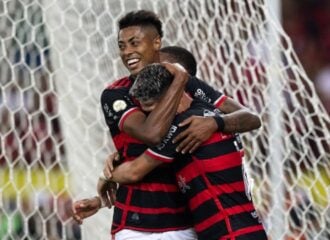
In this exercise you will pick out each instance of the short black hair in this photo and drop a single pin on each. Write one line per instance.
(141, 18)
(151, 82)
(183, 57)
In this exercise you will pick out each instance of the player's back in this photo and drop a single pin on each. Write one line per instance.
(212, 181)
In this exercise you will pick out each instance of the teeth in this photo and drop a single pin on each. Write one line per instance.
(132, 61)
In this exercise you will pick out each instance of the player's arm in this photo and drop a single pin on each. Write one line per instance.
(133, 171)
(153, 128)
(236, 119)
(85, 208)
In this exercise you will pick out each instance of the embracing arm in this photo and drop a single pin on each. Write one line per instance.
(238, 118)
(133, 171)
(153, 128)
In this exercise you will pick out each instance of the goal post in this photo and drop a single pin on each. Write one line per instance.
(56, 57)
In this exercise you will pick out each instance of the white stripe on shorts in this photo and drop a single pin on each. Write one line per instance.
(127, 234)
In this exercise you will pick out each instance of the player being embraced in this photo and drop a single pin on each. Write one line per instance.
(211, 178)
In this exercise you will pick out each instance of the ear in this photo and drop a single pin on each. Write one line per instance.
(157, 43)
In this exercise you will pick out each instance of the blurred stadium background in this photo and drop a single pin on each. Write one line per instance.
(57, 56)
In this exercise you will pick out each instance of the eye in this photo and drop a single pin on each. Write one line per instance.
(135, 43)
(121, 46)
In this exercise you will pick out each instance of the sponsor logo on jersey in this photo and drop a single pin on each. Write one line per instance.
(168, 137)
(201, 95)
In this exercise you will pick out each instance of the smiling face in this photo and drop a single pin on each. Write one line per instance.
(138, 46)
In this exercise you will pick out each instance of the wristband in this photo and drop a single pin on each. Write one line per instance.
(220, 122)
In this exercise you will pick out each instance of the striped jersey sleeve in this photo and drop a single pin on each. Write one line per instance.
(165, 151)
(199, 89)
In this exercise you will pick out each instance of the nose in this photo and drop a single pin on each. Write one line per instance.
(127, 50)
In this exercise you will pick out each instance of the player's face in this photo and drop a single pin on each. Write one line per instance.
(138, 47)
(148, 105)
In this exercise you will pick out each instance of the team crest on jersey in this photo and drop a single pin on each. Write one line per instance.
(182, 184)
(119, 105)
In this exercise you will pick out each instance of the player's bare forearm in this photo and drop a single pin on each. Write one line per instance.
(241, 121)
(238, 118)
(134, 171)
(153, 128)
(124, 174)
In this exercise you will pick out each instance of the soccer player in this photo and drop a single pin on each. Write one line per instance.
(85, 208)
(211, 178)
(155, 204)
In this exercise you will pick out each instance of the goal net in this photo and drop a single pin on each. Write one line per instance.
(56, 56)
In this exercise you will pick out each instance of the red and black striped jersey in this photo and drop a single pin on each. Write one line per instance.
(212, 181)
(155, 204)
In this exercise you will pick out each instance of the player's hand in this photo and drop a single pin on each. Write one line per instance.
(199, 130)
(85, 208)
(107, 192)
(177, 71)
(112, 160)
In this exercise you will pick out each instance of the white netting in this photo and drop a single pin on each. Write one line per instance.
(57, 56)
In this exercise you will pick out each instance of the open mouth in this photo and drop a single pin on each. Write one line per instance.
(133, 62)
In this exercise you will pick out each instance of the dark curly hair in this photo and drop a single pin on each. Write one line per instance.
(181, 56)
(151, 82)
(141, 18)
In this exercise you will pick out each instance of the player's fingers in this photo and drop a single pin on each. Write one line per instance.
(195, 146)
(112, 197)
(104, 199)
(75, 206)
(107, 173)
(109, 161)
(185, 122)
(116, 156)
(181, 136)
(188, 146)
(85, 204)
(183, 144)
(168, 66)
(77, 218)
(113, 193)
(79, 206)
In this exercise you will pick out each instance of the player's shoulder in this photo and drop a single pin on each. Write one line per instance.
(192, 80)
(117, 88)
(124, 82)
(195, 85)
